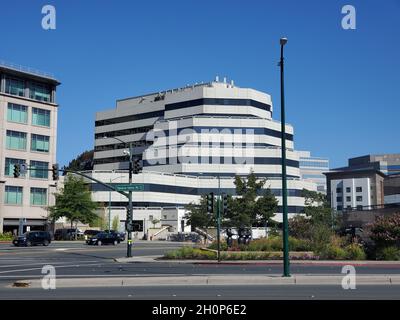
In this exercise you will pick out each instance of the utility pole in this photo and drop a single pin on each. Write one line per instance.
(286, 263)
(130, 206)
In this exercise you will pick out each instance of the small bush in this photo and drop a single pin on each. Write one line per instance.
(190, 253)
(355, 252)
(390, 253)
(333, 252)
(7, 236)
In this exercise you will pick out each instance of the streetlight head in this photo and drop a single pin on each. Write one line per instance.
(126, 152)
(105, 137)
(283, 41)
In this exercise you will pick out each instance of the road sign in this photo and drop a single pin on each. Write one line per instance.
(130, 187)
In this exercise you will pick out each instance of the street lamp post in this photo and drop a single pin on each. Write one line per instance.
(286, 263)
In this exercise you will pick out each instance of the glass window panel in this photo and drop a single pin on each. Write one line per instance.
(39, 169)
(38, 196)
(15, 87)
(17, 113)
(40, 92)
(16, 140)
(40, 117)
(39, 143)
(9, 166)
(13, 195)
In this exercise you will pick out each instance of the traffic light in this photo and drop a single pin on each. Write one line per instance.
(54, 170)
(224, 203)
(210, 202)
(17, 170)
(136, 166)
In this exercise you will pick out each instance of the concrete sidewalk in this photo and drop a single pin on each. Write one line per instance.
(158, 259)
(216, 280)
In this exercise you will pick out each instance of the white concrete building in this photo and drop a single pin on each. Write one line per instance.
(191, 138)
(312, 169)
(28, 127)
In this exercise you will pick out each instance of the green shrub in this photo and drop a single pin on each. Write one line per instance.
(7, 236)
(190, 253)
(355, 252)
(333, 252)
(390, 253)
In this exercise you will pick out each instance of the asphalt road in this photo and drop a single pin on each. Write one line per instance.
(73, 260)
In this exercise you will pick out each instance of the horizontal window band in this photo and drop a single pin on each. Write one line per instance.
(220, 160)
(217, 101)
(133, 117)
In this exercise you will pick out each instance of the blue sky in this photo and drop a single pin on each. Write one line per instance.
(342, 86)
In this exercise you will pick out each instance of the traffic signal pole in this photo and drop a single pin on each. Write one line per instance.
(219, 227)
(130, 206)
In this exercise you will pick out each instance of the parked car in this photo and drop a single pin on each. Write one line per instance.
(67, 234)
(33, 238)
(104, 238)
(121, 235)
(90, 233)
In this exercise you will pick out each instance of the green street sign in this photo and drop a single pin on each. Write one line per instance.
(130, 187)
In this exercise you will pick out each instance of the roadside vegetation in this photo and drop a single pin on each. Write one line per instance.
(316, 234)
(7, 236)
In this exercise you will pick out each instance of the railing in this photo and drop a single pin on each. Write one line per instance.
(20, 68)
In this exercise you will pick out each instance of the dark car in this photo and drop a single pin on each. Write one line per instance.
(104, 238)
(33, 238)
(90, 233)
(67, 234)
(121, 235)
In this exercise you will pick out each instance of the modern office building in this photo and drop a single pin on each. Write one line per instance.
(386, 163)
(367, 182)
(392, 189)
(313, 168)
(192, 138)
(28, 126)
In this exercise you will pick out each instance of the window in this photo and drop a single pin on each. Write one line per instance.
(339, 208)
(39, 169)
(16, 140)
(17, 113)
(9, 167)
(348, 189)
(40, 117)
(40, 143)
(15, 87)
(349, 208)
(359, 198)
(359, 208)
(38, 196)
(339, 199)
(348, 198)
(39, 92)
(338, 190)
(358, 189)
(13, 195)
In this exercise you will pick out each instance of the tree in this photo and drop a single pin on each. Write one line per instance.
(253, 206)
(197, 215)
(154, 222)
(74, 202)
(317, 208)
(385, 231)
(84, 161)
(115, 223)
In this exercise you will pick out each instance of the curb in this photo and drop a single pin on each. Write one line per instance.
(210, 280)
(157, 259)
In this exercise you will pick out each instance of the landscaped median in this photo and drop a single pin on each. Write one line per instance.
(270, 249)
(190, 253)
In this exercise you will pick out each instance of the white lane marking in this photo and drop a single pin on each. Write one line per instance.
(42, 263)
(67, 266)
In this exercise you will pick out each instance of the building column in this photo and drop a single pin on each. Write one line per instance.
(3, 83)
